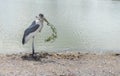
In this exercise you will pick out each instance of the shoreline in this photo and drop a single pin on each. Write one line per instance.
(59, 64)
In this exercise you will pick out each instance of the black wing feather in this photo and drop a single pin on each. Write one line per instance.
(33, 27)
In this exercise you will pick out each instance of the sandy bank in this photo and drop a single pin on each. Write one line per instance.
(59, 64)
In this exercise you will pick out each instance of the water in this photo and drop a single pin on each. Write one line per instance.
(82, 25)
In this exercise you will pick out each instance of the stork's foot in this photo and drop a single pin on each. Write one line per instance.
(36, 57)
(32, 57)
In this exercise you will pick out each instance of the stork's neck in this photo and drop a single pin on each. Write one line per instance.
(39, 21)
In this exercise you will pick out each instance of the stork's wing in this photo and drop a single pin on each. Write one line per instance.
(33, 24)
(33, 27)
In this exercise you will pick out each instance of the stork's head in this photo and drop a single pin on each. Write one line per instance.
(40, 19)
(41, 16)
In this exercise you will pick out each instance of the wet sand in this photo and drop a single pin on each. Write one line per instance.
(60, 64)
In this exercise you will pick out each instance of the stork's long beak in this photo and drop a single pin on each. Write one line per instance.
(46, 21)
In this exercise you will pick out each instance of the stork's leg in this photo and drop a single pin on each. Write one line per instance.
(33, 50)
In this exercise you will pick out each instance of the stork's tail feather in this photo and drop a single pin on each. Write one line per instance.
(23, 40)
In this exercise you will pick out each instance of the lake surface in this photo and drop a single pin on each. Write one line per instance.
(82, 25)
